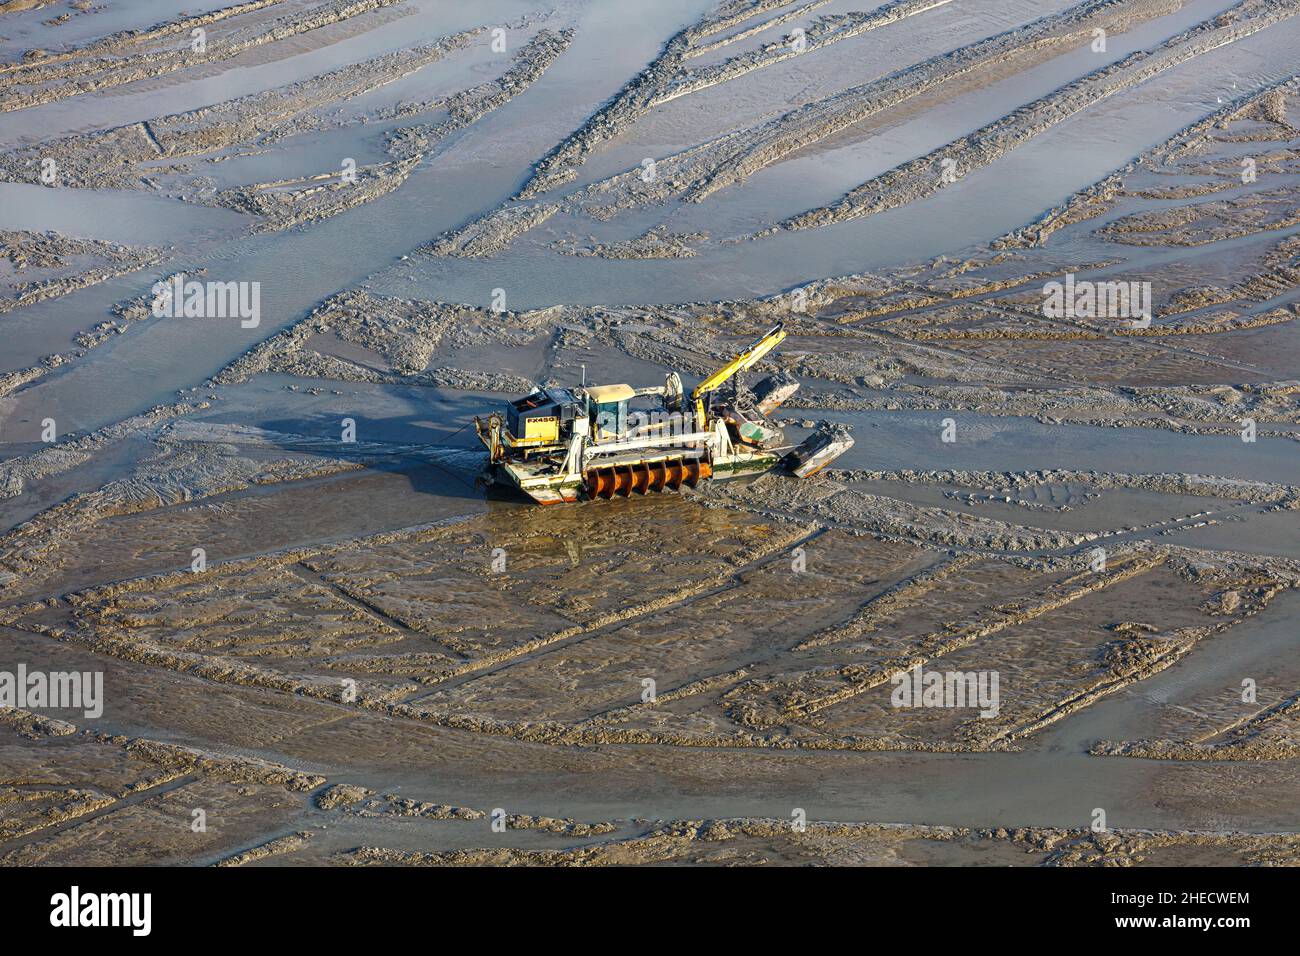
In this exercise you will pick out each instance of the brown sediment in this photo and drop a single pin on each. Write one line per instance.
(816, 121)
(341, 795)
(762, 26)
(654, 244)
(1097, 199)
(129, 56)
(285, 844)
(125, 157)
(288, 203)
(118, 620)
(920, 178)
(853, 679)
(697, 173)
(15, 472)
(469, 106)
(756, 841)
(392, 805)
(53, 257)
(897, 597)
(133, 310)
(666, 78)
(380, 671)
(1273, 734)
(34, 725)
(1208, 222)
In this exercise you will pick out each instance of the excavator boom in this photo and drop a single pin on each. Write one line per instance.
(746, 359)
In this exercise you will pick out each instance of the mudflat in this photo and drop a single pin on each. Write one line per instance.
(261, 264)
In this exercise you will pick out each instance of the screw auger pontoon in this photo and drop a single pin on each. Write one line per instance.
(561, 444)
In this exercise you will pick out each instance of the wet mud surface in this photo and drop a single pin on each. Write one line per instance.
(315, 631)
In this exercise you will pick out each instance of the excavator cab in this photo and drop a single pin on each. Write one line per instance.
(608, 404)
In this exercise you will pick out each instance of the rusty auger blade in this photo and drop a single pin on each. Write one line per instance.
(642, 477)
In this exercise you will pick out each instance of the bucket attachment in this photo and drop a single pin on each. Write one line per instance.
(643, 476)
(774, 391)
(820, 449)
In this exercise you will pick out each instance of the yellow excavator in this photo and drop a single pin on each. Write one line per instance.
(746, 359)
(562, 444)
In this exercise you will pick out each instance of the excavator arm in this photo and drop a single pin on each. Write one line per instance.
(746, 359)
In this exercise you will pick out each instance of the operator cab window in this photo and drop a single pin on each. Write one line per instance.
(609, 410)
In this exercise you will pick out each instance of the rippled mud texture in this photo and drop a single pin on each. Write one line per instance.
(320, 637)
